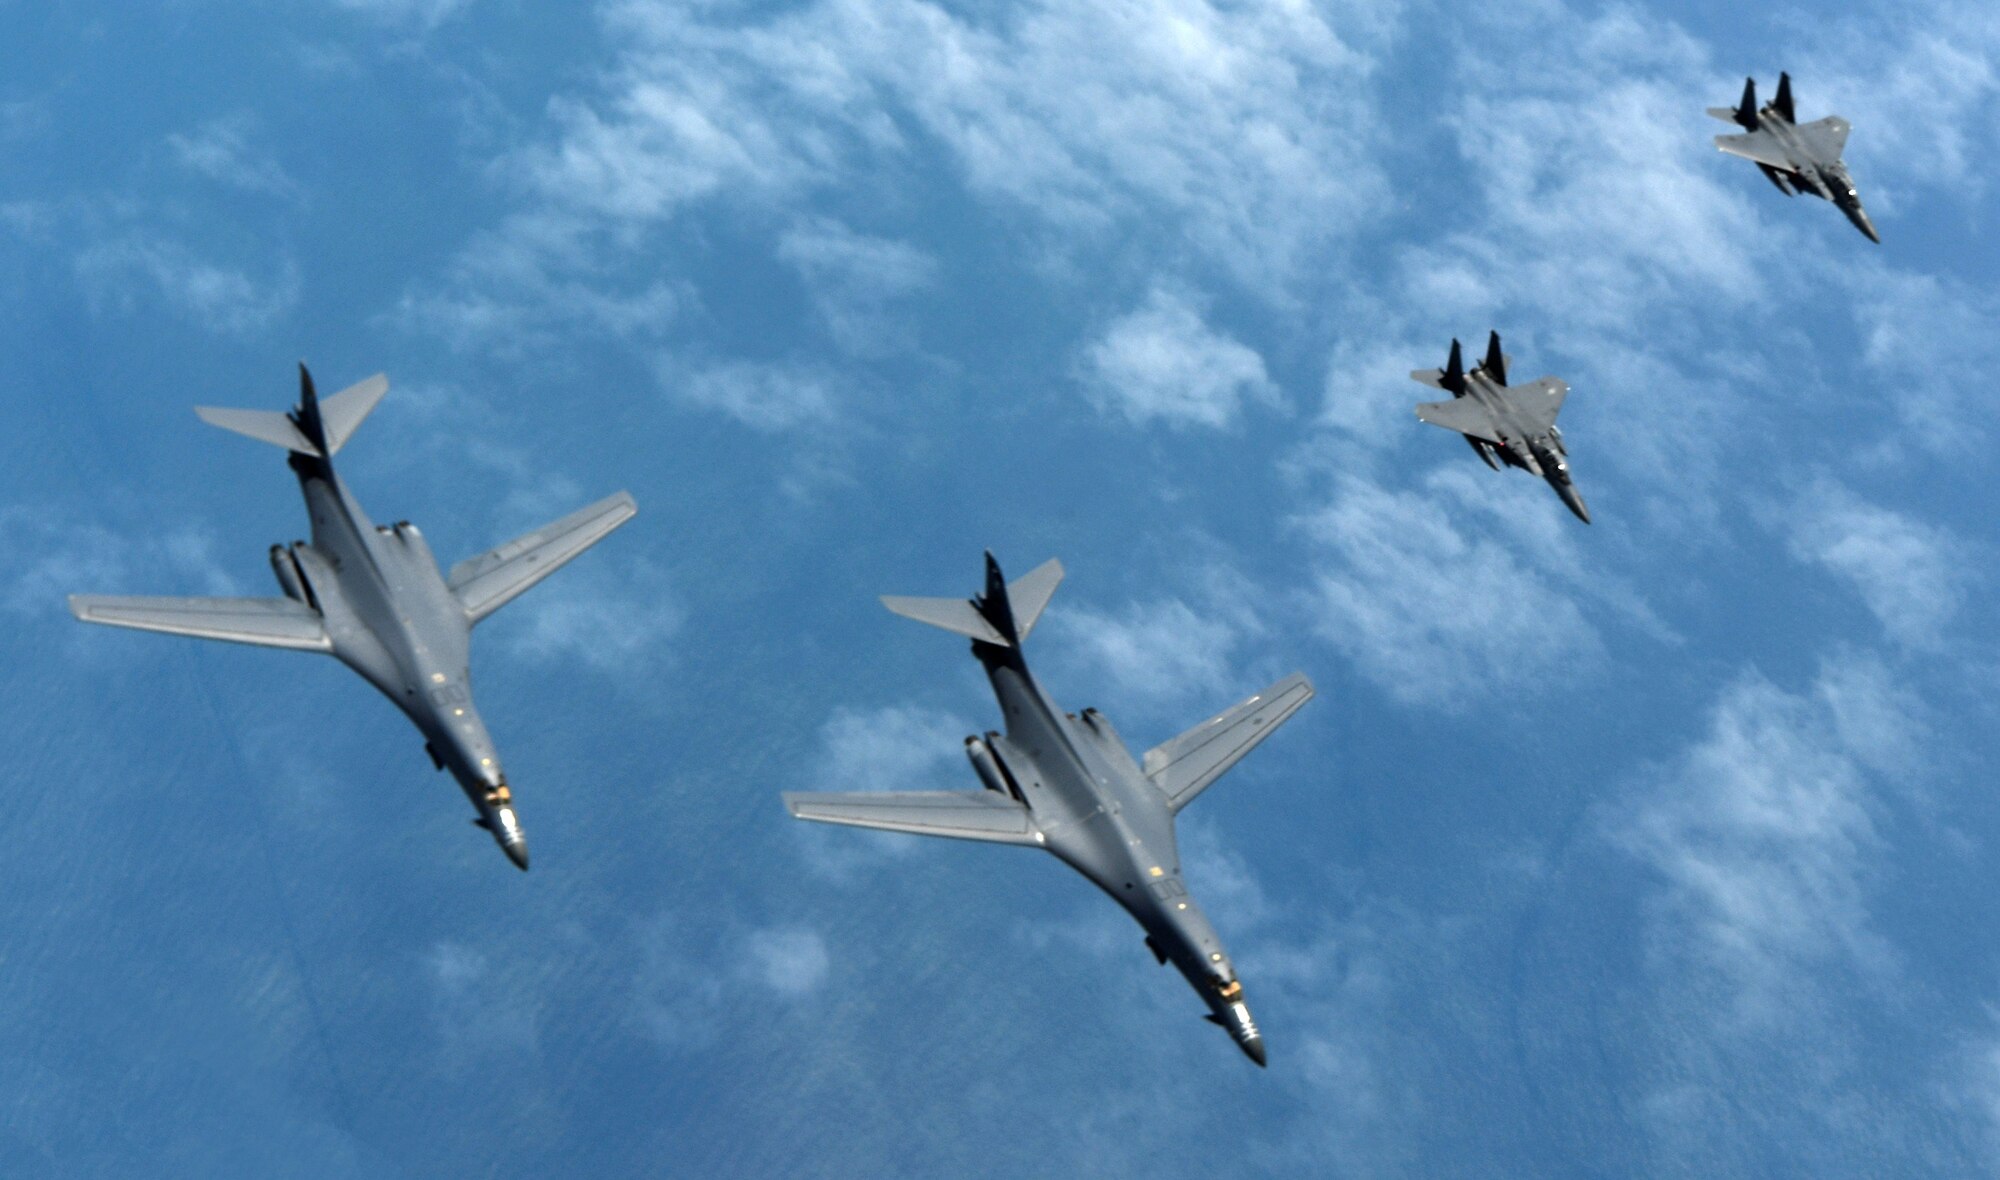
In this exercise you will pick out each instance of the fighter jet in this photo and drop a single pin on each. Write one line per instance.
(1065, 783)
(1798, 158)
(371, 596)
(1517, 423)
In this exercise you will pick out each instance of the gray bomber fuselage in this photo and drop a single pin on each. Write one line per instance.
(391, 617)
(1098, 813)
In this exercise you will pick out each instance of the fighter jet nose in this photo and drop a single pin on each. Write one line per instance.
(1575, 501)
(1255, 1048)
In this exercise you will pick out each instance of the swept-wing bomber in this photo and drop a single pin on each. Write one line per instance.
(1515, 423)
(1066, 783)
(371, 595)
(1797, 157)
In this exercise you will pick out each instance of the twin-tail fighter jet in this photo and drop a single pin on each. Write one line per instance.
(1517, 423)
(1065, 783)
(371, 595)
(1798, 158)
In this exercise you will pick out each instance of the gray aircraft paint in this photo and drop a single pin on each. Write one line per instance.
(1797, 157)
(1515, 423)
(371, 596)
(1067, 784)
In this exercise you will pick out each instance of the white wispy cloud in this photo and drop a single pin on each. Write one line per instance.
(764, 396)
(424, 14)
(788, 961)
(50, 555)
(220, 150)
(613, 615)
(478, 1011)
(1434, 610)
(1162, 362)
(1245, 130)
(1913, 576)
(214, 296)
(856, 281)
(1765, 839)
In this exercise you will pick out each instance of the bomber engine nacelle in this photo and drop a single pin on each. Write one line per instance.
(413, 538)
(291, 578)
(987, 765)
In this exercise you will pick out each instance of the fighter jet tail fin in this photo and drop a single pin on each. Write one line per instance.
(1002, 616)
(315, 428)
(1783, 102)
(1453, 378)
(1185, 766)
(961, 815)
(1495, 364)
(1744, 114)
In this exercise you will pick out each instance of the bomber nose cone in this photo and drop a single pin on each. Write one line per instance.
(518, 853)
(1255, 1048)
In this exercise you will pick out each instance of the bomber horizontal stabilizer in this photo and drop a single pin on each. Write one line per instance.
(961, 815)
(490, 581)
(957, 615)
(264, 622)
(1183, 767)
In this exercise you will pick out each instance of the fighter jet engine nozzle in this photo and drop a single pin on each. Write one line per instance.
(291, 578)
(987, 765)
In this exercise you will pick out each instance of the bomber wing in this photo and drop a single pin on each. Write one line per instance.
(1462, 414)
(963, 815)
(1183, 767)
(1760, 146)
(490, 581)
(264, 622)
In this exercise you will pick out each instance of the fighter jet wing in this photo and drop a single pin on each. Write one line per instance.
(265, 622)
(1537, 402)
(1461, 414)
(1759, 146)
(962, 815)
(490, 581)
(1828, 137)
(1183, 767)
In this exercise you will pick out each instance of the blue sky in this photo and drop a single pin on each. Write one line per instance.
(1661, 847)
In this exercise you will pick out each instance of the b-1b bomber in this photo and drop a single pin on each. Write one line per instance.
(1516, 423)
(1065, 783)
(371, 595)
